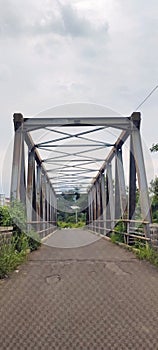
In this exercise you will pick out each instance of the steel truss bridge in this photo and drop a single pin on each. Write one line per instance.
(61, 153)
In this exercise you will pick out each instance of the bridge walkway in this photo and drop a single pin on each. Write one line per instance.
(86, 297)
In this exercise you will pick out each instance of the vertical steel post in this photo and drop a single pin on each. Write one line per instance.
(103, 205)
(122, 186)
(108, 217)
(141, 173)
(98, 208)
(49, 206)
(38, 196)
(95, 206)
(43, 201)
(55, 207)
(51, 211)
(22, 178)
(17, 158)
(91, 209)
(34, 211)
(117, 191)
(29, 197)
(132, 188)
(111, 195)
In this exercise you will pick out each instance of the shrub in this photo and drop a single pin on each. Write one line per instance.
(117, 237)
(15, 252)
(117, 234)
(5, 217)
(146, 252)
(71, 224)
(10, 257)
(34, 240)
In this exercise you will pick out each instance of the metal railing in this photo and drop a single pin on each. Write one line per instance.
(132, 231)
(43, 228)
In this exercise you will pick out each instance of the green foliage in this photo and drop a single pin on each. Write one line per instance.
(120, 227)
(18, 216)
(20, 242)
(67, 220)
(14, 252)
(146, 252)
(62, 224)
(34, 241)
(117, 237)
(154, 198)
(10, 257)
(13, 215)
(5, 217)
(71, 195)
(117, 234)
(154, 148)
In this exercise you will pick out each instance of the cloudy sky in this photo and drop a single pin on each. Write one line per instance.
(55, 52)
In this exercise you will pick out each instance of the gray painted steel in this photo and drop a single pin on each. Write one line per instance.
(105, 205)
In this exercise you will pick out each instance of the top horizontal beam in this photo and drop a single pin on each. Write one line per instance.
(30, 124)
(126, 124)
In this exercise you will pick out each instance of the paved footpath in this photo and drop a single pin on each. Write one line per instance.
(94, 297)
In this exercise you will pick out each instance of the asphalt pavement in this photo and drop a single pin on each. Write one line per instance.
(90, 295)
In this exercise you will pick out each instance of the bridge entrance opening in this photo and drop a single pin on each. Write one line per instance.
(83, 167)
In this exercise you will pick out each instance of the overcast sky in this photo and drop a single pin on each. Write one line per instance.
(55, 52)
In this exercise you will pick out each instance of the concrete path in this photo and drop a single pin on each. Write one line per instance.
(96, 297)
(68, 238)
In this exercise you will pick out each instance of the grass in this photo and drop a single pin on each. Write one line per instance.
(71, 224)
(117, 237)
(15, 252)
(141, 250)
(146, 252)
(10, 257)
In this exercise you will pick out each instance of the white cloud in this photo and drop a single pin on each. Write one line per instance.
(63, 19)
(61, 52)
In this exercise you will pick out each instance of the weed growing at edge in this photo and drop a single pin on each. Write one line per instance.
(10, 257)
(146, 252)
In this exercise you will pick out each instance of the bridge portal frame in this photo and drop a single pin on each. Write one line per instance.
(39, 195)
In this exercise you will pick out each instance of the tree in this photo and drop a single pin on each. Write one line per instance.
(154, 198)
(154, 148)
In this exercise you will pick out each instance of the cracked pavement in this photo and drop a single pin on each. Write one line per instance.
(96, 297)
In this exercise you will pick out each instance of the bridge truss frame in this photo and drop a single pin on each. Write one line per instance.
(105, 205)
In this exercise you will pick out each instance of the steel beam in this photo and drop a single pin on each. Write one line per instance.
(120, 141)
(103, 203)
(141, 174)
(95, 205)
(111, 195)
(91, 209)
(23, 178)
(98, 209)
(113, 122)
(132, 189)
(122, 187)
(43, 200)
(17, 171)
(117, 190)
(108, 216)
(38, 195)
(30, 179)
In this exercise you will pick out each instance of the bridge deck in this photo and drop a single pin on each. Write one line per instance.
(95, 297)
